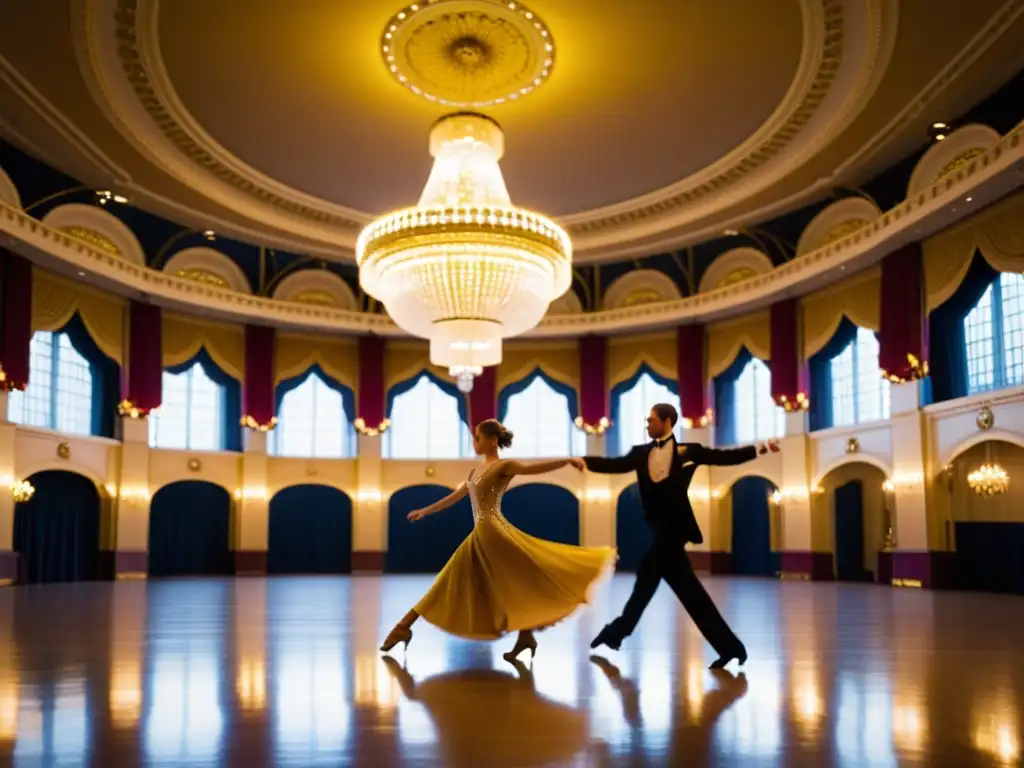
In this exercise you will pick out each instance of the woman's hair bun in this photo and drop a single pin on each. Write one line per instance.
(497, 430)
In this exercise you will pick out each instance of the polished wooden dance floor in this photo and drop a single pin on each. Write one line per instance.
(255, 672)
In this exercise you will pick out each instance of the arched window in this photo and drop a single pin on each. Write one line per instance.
(756, 415)
(59, 394)
(427, 422)
(542, 420)
(994, 336)
(191, 416)
(313, 421)
(632, 406)
(859, 393)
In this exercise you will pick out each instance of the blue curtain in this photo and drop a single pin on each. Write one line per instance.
(232, 396)
(448, 386)
(612, 433)
(849, 528)
(518, 386)
(106, 378)
(990, 557)
(751, 528)
(57, 531)
(820, 365)
(348, 398)
(947, 348)
(426, 545)
(632, 536)
(310, 531)
(725, 398)
(190, 530)
(545, 511)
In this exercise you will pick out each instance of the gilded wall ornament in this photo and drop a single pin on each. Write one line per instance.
(194, 464)
(430, 471)
(853, 445)
(64, 451)
(986, 419)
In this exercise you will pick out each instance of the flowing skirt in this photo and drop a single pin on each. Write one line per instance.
(503, 580)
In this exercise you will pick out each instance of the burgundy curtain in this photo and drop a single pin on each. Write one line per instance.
(789, 374)
(903, 340)
(142, 377)
(693, 388)
(16, 335)
(371, 418)
(593, 355)
(258, 386)
(483, 398)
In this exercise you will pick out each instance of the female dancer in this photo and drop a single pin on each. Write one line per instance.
(500, 579)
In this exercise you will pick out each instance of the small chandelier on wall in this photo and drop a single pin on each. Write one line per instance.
(22, 490)
(989, 480)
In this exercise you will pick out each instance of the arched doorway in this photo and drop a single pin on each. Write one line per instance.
(426, 545)
(988, 534)
(310, 531)
(852, 511)
(57, 531)
(752, 553)
(190, 530)
(544, 510)
(632, 536)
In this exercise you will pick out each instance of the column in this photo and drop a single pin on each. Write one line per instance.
(913, 565)
(131, 512)
(369, 519)
(252, 507)
(369, 516)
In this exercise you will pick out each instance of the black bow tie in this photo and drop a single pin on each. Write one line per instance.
(660, 443)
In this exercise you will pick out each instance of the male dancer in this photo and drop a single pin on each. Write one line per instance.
(664, 470)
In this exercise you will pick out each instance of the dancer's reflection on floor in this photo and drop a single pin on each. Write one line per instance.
(690, 742)
(494, 718)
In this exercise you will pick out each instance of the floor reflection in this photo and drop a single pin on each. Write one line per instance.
(286, 672)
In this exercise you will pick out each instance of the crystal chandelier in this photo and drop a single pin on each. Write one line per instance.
(989, 480)
(465, 268)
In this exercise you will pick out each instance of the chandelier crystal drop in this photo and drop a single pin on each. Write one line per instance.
(465, 268)
(989, 480)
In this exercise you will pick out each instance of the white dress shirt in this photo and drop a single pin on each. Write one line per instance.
(659, 460)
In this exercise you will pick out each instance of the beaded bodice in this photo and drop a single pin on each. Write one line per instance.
(485, 492)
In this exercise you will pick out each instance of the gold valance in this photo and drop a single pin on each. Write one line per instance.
(859, 299)
(558, 359)
(997, 233)
(405, 359)
(727, 338)
(627, 353)
(55, 301)
(294, 354)
(183, 337)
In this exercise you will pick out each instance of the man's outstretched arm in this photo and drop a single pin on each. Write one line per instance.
(725, 457)
(617, 465)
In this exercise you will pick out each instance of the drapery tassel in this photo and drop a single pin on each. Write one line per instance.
(593, 356)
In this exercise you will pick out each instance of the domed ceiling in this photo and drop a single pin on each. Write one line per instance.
(661, 123)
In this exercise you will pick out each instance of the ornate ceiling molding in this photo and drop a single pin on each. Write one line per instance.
(985, 178)
(846, 48)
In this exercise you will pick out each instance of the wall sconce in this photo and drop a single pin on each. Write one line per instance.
(369, 495)
(251, 493)
(775, 498)
(986, 419)
(22, 490)
(135, 493)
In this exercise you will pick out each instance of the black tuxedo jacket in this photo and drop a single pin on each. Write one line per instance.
(666, 505)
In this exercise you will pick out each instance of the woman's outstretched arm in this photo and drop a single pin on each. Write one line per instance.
(511, 468)
(457, 495)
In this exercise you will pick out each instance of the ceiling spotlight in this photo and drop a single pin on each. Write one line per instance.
(968, 199)
(81, 274)
(939, 131)
(209, 234)
(731, 232)
(120, 199)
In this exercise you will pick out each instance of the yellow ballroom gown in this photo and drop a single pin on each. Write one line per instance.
(502, 580)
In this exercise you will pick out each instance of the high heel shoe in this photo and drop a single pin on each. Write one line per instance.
(399, 634)
(520, 646)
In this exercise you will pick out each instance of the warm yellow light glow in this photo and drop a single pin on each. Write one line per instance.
(909, 727)
(134, 493)
(251, 683)
(369, 494)
(125, 694)
(465, 268)
(252, 493)
(989, 480)
(9, 705)
(22, 490)
(593, 429)
(374, 685)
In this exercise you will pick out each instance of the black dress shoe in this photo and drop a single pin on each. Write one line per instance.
(607, 636)
(740, 654)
